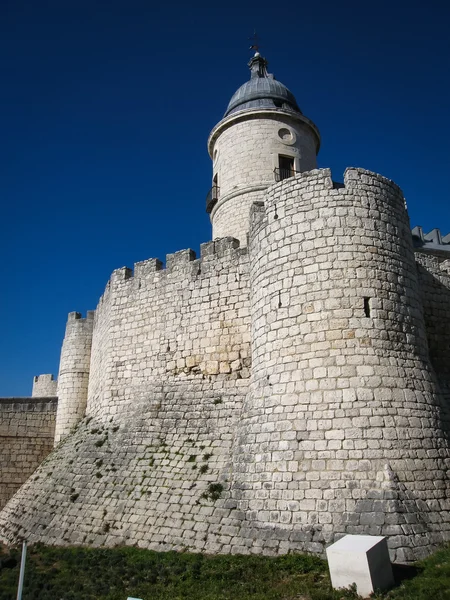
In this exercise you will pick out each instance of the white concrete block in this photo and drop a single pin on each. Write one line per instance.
(363, 560)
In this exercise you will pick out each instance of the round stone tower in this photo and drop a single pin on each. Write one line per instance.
(344, 430)
(262, 138)
(73, 378)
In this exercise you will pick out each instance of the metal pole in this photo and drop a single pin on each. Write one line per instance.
(22, 571)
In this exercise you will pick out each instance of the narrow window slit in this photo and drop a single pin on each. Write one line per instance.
(279, 300)
(367, 307)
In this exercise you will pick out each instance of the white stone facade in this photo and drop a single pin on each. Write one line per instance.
(27, 431)
(245, 149)
(44, 386)
(263, 398)
(189, 322)
(73, 378)
(343, 397)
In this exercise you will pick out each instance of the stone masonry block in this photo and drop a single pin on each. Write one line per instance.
(179, 259)
(363, 560)
(147, 267)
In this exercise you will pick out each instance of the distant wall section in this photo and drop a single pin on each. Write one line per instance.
(44, 386)
(73, 378)
(27, 427)
(434, 280)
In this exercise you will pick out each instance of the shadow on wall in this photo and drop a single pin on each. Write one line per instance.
(436, 305)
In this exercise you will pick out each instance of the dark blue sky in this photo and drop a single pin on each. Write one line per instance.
(106, 107)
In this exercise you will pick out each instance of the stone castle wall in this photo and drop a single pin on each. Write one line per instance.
(151, 463)
(189, 322)
(340, 429)
(157, 479)
(27, 428)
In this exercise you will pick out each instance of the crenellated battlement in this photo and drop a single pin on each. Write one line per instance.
(328, 212)
(183, 263)
(433, 241)
(77, 316)
(321, 180)
(220, 248)
(193, 316)
(147, 268)
(46, 378)
(357, 177)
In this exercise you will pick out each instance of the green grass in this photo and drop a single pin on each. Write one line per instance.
(113, 574)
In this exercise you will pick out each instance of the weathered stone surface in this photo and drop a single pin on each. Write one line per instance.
(44, 386)
(27, 430)
(341, 425)
(73, 377)
(270, 396)
(341, 429)
(157, 478)
(245, 154)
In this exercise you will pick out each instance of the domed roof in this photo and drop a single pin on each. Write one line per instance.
(262, 91)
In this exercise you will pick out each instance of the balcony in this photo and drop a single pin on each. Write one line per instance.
(211, 198)
(281, 174)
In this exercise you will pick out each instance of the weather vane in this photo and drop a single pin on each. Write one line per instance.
(255, 42)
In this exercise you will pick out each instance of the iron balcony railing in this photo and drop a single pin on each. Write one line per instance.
(212, 198)
(281, 174)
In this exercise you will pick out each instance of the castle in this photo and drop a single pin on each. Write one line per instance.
(289, 386)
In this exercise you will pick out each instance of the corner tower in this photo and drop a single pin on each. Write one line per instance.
(73, 378)
(262, 138)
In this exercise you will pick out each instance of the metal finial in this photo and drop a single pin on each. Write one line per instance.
(257, 64)
(255, 42)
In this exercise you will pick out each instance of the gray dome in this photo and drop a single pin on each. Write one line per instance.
(262, 92)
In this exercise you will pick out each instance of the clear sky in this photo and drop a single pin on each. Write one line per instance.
(106, 106)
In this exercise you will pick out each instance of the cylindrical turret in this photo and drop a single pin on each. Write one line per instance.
(262, 138)
(73, 378)
(343, 431)
(44, 386)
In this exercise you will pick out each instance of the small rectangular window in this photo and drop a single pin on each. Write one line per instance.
(286, 166)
